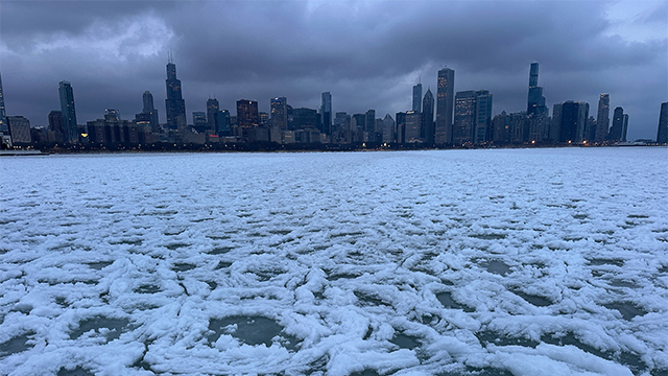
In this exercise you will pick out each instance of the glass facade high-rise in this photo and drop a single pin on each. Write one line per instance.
(279, 113)
(212, 108)
(428, 118)
(573, 121)
(617, 125)
(149, 108)
(445, 96)
(603, 118)
(71, 130)
(417, 98)
(662, 132)
(483, 117)
(536, 100)
(326, 113)
(4, 128)
(247, 114)
(175, 105)
(464, 125)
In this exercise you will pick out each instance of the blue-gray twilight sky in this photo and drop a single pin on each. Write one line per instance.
(368, 54)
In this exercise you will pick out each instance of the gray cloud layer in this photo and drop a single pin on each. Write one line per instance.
(367, 54)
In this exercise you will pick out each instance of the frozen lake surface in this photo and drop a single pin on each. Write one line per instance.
(482, 262)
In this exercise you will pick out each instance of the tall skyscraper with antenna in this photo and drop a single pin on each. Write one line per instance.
(174, 104)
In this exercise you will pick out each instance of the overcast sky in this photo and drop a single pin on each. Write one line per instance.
(368, 54)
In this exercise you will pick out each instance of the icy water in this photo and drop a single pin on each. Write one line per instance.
(482, 262)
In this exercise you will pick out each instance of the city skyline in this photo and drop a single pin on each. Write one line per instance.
(356, 83)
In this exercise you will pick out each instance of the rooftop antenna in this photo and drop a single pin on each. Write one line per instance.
(169, 56)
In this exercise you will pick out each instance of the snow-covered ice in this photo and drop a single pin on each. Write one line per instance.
(482, 262)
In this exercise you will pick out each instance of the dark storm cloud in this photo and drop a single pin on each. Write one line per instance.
(368, 54)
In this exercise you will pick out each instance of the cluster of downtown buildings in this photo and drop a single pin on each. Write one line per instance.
(451, 119)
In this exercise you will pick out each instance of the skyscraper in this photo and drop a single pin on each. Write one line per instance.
(71, 134)
(326, 113)
(279, 113)
(625, 126)
(212, 109)
(149, 108)
(444, 106)
(56, 125)
(4, 128)
(463, 128)
(483, 117)
(370, 120)
(223, 123)
(247, 115)
(603, 118)
(662, 132)
(428, 112)
(617, 128)
(574, 115)
(536, 100)
(174, 104)
(417, 98)
(200, 122)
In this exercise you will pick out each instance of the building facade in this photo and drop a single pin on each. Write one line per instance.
(149, 108)
(247, 115)
(428, 118)
(175, 105)
(662, 132)
(212, 108)
(463, 127)
(602, 118)
(326, 113)
(71, 129)
(536, 100)
(444, 106)
(19, 130)
(417, 98)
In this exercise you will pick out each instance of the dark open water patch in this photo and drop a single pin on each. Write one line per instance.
(538, 301)
(493, 266)
(16, 345)
(366, 372)
(368, 300)
(220, 250)
(114, 327)
(488, 336)
(175, 246)
(79, 371)
(570, 339)
(603, 261)
(251, 330)
(405, 341)
(446, 299)
(223, 265)
(99, 265)
(147, 289)
(629, 310)
(183, 267)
